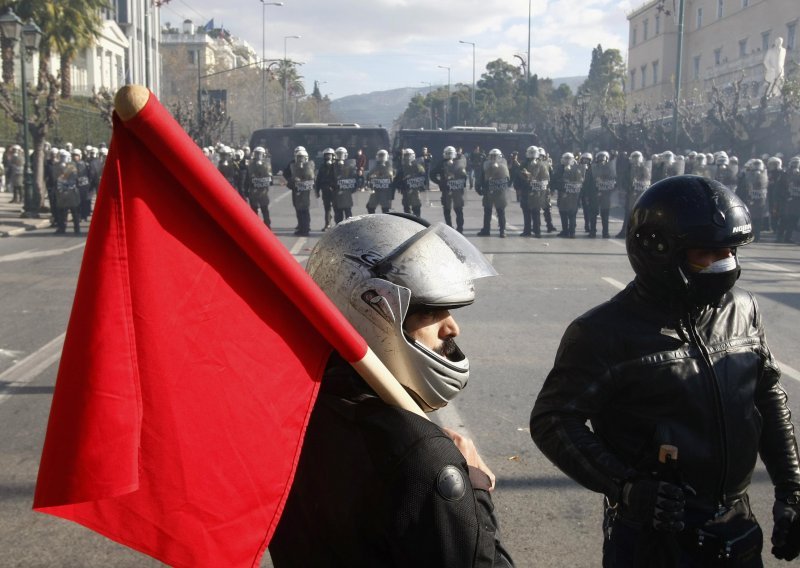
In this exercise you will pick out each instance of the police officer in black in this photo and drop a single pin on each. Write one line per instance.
(326, 181)
(682, 393)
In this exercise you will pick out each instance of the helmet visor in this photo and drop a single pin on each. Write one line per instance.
(438, 265)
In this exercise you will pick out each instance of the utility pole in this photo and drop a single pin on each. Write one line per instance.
(676, 103)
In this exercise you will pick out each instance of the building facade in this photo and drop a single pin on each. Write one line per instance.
(140, 20)
(724, 40)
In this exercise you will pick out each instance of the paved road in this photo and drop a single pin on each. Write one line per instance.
(511, 335)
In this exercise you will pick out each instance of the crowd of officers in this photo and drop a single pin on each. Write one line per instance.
(71, 178)
(588, 182)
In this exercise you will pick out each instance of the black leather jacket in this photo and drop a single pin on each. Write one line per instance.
(645, 375)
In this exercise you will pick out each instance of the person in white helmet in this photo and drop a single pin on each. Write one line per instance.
(376, 485)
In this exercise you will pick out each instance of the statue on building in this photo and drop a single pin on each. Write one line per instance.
(773, 63)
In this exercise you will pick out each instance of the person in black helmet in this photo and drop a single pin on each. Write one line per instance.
(682, 393)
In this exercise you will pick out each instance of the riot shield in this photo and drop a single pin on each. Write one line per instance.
(455, 174)
(641, 175)
(495, 175)
(605, 175)
(676, 167)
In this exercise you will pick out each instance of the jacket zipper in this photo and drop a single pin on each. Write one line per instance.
(719, 409)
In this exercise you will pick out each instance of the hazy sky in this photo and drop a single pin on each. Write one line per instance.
(360, 46)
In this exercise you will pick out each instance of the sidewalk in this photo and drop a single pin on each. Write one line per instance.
(11, 224)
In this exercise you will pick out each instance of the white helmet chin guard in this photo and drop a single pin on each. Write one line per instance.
(378, 268)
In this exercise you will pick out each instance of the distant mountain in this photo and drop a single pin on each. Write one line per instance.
(383, 107)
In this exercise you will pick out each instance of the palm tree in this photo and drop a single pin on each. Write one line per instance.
(76, 26)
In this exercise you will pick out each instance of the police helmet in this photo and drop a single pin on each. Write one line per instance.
(341, 153)
(680, 213)
(602, 157)
(409, 155)
(449, 153)
(567, 158)
(586, 158)
(495, 154)
(300, 155)
(258, 152)
(774, 163)
(382, 157)
(721, 159)
(379, 268)
(532, 152)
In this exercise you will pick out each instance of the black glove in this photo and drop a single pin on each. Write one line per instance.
(656, 501)
(786, 532)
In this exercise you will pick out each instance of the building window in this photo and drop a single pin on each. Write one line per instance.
(633, 79)
(192, 57)
(696, 66)
(765, 41)
(645, 29)
(658, 24)
(644, 76)
(718, 56)
(791, 33)
(720, 9)
(743, 47)
(633, 36)
(699, 18)
(655, 72)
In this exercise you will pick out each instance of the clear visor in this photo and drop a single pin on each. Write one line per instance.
(438, 265)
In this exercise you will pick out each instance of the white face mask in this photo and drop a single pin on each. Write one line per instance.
(724, 265)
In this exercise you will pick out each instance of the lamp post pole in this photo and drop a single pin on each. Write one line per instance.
(264, 59)
(286, 73)
(677, 78)
(31, 35)
(447, 102)
(528, 74)
(472, 101)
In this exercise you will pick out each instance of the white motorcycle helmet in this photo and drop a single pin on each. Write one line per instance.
(379, 268)
(382, 157)
(449, 153)
(258, 153)
(341, 153)
(567, 159)
(495, 155)
(532, 152)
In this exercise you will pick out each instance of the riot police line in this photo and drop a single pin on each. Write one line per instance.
(71, 178)
(548, 193)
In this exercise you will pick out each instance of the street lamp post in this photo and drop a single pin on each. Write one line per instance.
(264, 59)
(447, 102)
(679, 56)
(286, 73)
(472, 102)
(317, 85)
(13, 29)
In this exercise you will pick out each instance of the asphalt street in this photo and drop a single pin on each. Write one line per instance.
(510, 334)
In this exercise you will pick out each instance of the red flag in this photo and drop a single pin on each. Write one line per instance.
(191, 362)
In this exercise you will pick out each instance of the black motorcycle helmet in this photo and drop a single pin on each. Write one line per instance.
(676, 214)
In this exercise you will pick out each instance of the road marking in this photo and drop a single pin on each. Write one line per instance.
(615, 283)
(618, 242)
(298, 245)
(789, 371)
(785, 369)
(33, 253)
(281, 196)
(30, 367)
(771, 268)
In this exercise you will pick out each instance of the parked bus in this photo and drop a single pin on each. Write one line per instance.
(315, 137)
(465, 137)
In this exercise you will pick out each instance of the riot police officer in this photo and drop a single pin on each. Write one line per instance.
(788, 201)
(604, 177)
(492, 186)
(379, 182)
(346, 175)
(301, 183)
(450, 174)
(83, 182)
(259, 179)
(326, 183)
(640, 177)
(569, 190)
(753, 191)
(538, 183)
(411, 179)
(227, 167)
(67, 195)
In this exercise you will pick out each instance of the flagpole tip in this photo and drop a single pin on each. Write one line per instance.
(129, 100)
